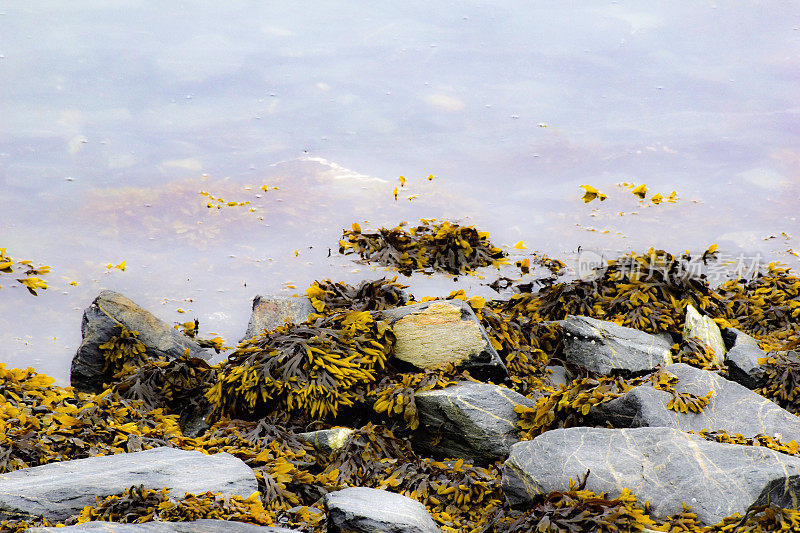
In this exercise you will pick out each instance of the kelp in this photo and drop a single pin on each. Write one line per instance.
(316, 367)
(328, 297)
(648, 292)
(394, 395)
(782, 374)
(138, 504)
(24, 267)
(123, 351)
(429, 247)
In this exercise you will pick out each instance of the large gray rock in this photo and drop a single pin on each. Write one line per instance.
(432, 334)
(605, 347)
(360, 509)
(742, 359)
(702, 327)
(269, 312)
(732, 408)
(470, 420)
(664, 466)
(59, 490)
(100, 321)
(197, 526)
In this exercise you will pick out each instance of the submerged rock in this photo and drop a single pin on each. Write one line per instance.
(430, 335)
(742, 359)
(706, 330)
(732, 408)
(269, 312)
(664, 466)
(100, 323)
(605, 347)
(196, 526)
(59, 490)
(361, 509)
(469, 420)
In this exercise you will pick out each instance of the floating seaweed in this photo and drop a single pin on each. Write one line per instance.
(428, 247)
(31, 281)
(376, 295)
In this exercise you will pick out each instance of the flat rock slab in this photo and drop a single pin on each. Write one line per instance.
(742, 359)
(269, 312)
(59, 490)
(430, 335)
(664, 466)
(732, 408)
(196, 526)
(470, 420)
(361, 509)
(100, 321)
(605, 347)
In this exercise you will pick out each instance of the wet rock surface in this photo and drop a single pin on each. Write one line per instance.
(664, 466)
(469, 420)
(432, 334)
(269, 312)
(196, 526)
(365, 510)
(59, 490)
(605, 347)
(732, 408)
(100, 323)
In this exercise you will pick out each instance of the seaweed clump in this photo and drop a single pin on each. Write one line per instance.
(428, 247)
(139, 504)
(328, 297)
(315, 367)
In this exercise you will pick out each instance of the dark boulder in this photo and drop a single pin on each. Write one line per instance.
(269, 312)
(742, 359)
(101, 321)
(470, 420)
(732, 407)
(604, 347)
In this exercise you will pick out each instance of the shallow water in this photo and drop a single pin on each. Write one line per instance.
(115, 115)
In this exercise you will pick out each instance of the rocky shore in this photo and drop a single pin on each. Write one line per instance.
(638, 400)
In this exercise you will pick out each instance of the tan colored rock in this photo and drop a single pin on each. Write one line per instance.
(704, 328)
(431, 335)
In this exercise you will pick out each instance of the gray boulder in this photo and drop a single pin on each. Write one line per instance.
(59, 490)
(742, 359)
(100, 321)
(470, 420)
(361, 509)
(605, 347)
(732, 408)
(702, 327)
(269, 312)
(664, 466)
(197, 526)
(432, 334)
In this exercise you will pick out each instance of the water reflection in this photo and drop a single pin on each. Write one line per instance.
(116, 115)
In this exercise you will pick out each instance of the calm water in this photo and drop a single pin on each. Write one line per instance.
(114, 116)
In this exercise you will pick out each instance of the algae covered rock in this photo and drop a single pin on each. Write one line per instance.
(113, 319)
(605, 347)
(732, 407)
(269, 312)
(327, 440)
(196, 526)
(742, 359)
(665, 466)
(59, 490)
(361, 509)
(706, 330)
(469, 420)
(432, 335)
